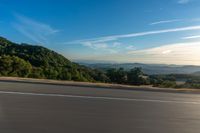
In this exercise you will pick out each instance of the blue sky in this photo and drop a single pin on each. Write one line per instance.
(146, 31)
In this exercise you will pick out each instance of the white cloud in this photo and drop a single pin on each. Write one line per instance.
(166, 51)
(175, 20)
(191, 37)
(130, 47)
(181, 53)
(103, 47)
(93, 40)
(34, 30)
(183, 1)
(112, 51)
(187, 53)
(195, 19)
(158, 32)
(95, 45)
(117, 37)
(116, 44)
(106, 44)
(165, 21)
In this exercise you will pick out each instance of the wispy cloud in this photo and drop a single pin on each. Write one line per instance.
(130, 47)
(111, 44)
(191, 37)
(34, 30)
(93, 40)
(180, 53)
(166, 51)
(116, 44)
(165, 21)
(117, 37)
(175, 20)
(103, 46)
(184, 1)
(195, 19)
(95, 45)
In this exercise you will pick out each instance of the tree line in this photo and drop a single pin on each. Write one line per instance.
(15, 66)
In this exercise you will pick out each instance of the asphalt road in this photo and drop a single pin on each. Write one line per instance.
(40, 108)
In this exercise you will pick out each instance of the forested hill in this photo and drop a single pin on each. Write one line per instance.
(25, 60)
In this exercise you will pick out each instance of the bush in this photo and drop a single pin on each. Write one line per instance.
(168, 84)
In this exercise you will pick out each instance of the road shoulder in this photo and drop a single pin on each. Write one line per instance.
(97, 85)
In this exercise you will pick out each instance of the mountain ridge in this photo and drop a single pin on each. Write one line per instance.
(40, 62)
(147, 68)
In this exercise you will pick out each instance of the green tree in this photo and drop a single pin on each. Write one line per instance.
(136, 76)
(14, 66)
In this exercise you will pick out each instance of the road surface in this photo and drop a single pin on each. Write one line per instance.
(42, 108)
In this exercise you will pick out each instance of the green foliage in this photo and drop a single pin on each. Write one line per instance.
(134, 77)
(38, 62)
(196, 86)
(36, 73)
(192, 83)
(117, 75)
(169, 81)
(14, 66)
(168, 84)
(166, 81)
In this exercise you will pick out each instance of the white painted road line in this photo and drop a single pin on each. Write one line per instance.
(99, 97)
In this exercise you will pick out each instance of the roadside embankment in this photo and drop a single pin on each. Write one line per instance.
(96, 85)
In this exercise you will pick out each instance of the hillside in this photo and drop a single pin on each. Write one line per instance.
(25, 60)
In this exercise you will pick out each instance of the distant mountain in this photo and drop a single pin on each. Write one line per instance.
(94, 62)
(148, 68)
(197, 73)
(26, 60)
